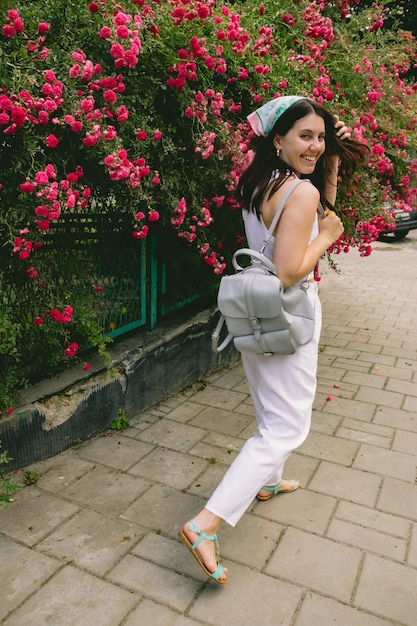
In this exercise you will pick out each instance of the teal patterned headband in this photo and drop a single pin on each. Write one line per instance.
(263, 119)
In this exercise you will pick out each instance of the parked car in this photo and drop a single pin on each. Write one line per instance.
(404, 222)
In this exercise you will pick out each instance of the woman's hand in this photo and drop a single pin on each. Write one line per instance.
(331, 226)
(342, 131)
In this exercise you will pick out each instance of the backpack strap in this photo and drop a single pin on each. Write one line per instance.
(281, 208)
(216, 336)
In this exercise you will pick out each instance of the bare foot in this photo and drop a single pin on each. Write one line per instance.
(284, 486)
(206, 550)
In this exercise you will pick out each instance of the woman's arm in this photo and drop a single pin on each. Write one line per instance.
(331, 168)
(293, 256)
(331, 163)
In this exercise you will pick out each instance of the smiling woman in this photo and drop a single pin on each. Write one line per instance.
(298, 138)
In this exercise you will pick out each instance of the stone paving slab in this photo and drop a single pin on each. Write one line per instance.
(74, 597)
(253, 598)
(95, 540)
(149, 612)
(388, 589)
(92, 541)
(368, 539)
(326, 566)
(22, 571)
(317, 610)
(34, 515)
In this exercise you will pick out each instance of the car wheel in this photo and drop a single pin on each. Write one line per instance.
(400, 234)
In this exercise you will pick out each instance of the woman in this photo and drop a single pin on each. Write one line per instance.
(298, 138)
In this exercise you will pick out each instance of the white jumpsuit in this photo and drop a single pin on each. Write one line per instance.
(282, 390)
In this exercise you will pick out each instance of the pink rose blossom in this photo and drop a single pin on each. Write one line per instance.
(27, 187)
(50, 171)
(43, 225)
(87, 104)
(72, 349)
(32, 272)
(142, 233)
(43, 28)
(47, 89)
(120, 19)
(64, 317)
(105, 32)
(41, 211)
(122, 32)
(117, 51)
(123, 114)
(110, 96)
(18, 116)
(50, 76)
(153, 216)
(110, 133)
(18, 25)
(8, 31)
(52, 141)
(43, 118)
(41, 178)
(74, 71)
(43, 55)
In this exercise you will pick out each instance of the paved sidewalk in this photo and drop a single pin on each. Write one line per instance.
(94, 542)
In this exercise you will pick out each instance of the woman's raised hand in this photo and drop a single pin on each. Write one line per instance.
(342, 131)
(331, 226)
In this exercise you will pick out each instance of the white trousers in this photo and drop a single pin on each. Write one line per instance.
(282, 390)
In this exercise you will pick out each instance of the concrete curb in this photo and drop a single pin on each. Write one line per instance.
(74, 406)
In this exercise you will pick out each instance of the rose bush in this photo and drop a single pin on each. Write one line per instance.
(140, 107)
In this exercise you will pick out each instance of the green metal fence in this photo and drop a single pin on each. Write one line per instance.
(130, 283)
(99, 249)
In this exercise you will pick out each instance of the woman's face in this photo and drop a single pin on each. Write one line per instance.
(303, 144)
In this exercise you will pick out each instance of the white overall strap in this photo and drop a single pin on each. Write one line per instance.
(281, 208)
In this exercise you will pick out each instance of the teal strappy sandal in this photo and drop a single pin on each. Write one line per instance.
(275, 490)
(193, 549)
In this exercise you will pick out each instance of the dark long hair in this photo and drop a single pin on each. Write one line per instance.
(255, 179)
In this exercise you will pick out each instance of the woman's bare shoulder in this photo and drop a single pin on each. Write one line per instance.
(303, 195)
(306, 190)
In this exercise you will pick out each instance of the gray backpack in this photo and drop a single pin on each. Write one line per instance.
(260, 315)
